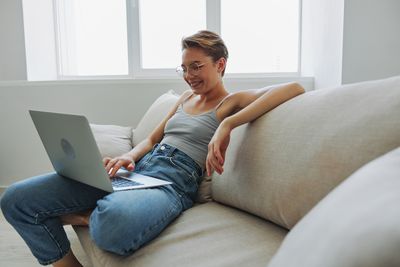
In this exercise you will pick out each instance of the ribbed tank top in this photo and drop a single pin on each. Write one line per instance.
(191, 133)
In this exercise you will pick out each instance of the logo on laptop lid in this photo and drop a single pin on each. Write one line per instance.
(67, 148)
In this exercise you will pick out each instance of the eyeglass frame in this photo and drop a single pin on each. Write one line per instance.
(181, 71)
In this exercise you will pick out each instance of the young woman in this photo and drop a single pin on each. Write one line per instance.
(191, 140)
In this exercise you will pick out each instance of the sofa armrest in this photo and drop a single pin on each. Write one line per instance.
(357, 224)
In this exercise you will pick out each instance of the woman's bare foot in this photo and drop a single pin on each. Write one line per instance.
(79, 218)
(69, 260)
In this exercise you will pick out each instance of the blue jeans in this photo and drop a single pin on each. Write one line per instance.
(121, 222)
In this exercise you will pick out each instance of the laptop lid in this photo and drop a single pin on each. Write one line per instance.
(71, 147)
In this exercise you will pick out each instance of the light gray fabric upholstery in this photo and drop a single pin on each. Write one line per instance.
(356, 225)
(112, 140)
(154, 115)
(207, 235)
(281, 165)
(278, 168)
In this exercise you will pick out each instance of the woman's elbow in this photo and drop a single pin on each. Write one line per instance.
(297, 89)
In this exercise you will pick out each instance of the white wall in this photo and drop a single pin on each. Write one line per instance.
(39, 40)
(346, 41)
(371, 42)
(22, 153)
(12, 48)
(120, 102)
(322, 32)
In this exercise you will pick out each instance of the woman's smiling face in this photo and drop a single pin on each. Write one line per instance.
(201, 72)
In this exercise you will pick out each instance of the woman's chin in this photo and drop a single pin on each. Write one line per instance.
(195, 90)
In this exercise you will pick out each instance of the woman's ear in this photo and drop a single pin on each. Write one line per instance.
(221, 64)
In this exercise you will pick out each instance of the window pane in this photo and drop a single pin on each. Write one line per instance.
(163, 24)
(93, 37)
(263, 37)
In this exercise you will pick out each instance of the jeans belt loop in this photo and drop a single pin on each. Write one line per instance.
(155, 147)
(168, 150)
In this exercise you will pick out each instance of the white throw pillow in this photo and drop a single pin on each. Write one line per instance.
(154, 115)
(112, 140)
(356, 225)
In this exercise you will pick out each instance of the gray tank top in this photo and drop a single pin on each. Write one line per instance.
(192, 133)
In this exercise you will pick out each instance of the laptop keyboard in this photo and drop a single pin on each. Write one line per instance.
(121, 182)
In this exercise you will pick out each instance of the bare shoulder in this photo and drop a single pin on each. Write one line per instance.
(182, 98)
(241, 99)
(233, 103)
(184, 95)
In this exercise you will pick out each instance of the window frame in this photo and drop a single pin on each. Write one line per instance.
(135, 69)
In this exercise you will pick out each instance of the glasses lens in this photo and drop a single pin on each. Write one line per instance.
(195, 68)
(180, 71)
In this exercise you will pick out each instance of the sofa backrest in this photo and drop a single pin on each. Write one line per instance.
(154, 115)
(279, 166)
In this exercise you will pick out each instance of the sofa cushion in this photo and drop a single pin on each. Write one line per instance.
(279, 166)
(205, 235)
(112, 140)
(153, 116)
(357, 224)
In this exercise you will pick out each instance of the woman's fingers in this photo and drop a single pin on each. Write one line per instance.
(110, 164)
(106, 160)
(115, 168)
(131, 166)
(217, 167)
(217, 153)
(113, 165)
(208, 168)
(213, 164)
(215, 158)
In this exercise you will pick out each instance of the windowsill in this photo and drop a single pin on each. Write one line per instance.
(270, 79)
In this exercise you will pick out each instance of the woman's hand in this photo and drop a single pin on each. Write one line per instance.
(112, 165)
(217, 148)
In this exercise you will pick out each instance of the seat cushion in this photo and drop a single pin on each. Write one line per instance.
(112, 140)
(356, 225)
(209, 234)
(282, 164)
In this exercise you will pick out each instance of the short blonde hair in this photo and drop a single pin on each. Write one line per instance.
(208, 41)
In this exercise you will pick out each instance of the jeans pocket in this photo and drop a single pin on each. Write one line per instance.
(192, 176)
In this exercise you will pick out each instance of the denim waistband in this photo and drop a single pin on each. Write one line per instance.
(170, 151)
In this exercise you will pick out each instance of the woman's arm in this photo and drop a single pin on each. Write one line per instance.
(128, 159)
(255, 103)
(252, 104)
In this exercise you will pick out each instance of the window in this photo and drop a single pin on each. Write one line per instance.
(263, 37)
(161, 32)
(92, 37)
(141, 38)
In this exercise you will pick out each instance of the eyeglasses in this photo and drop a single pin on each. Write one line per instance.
(193, 69)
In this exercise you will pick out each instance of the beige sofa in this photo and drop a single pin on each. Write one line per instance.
(275, 205)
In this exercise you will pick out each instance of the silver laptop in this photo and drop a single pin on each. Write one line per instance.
(73, 151)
